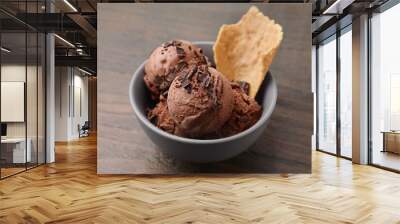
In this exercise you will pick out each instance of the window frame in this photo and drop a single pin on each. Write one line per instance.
(333, 37)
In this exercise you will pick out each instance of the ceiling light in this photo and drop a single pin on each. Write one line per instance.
(337, 7)
(5, 50)
(65, 41)
(70, 5)
(84, 71)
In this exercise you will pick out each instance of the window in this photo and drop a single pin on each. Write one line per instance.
(335, 73)
(346, 92)
(385, 89)
(326, 136)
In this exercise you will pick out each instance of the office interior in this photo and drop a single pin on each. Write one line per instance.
(48, 96)
(49, 85)
(334, 73)
(48, 76)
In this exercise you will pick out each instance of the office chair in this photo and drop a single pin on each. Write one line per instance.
(84, 130)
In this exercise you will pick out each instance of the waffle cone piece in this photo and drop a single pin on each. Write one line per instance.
(244, 51)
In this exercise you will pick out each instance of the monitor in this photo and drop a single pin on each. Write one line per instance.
(3, 129)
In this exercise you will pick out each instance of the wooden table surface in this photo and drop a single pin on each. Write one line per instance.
(127, 33)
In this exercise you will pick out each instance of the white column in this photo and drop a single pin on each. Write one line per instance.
(50, 100)
(314, 91)
(360, 90)
(50, 92)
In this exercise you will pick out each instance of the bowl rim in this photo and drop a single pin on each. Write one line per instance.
(264, 117)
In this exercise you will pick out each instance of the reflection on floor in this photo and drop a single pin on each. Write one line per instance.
(387, 159)
(70, 191)
(11, 169)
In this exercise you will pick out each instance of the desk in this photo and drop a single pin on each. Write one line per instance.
(391, 141)
(16, 148)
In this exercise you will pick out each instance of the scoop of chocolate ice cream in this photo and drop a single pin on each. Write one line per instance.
(160, 117)
(168, 61)
(246, 111)
(200, 101)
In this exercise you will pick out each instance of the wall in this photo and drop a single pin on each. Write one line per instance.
(33, 127)
(71, 102)
(17, 73)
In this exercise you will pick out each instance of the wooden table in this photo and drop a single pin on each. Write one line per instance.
(127, 33)
(391, 141)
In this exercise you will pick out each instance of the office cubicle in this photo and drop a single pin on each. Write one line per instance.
(22, 91)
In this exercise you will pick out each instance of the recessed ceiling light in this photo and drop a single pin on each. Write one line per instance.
(64, 40)
(337, 7)
(84, 71)
(70, 5)
(5, 50)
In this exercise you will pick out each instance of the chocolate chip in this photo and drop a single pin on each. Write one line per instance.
(185, 83)
(245, 86)
(181, 64)
(164, 85)
(207, 82)
(176, 43)
(170, 77)
(188, 88)
(165, 94)
(201, 76)
(152, 117)
(180, 51)
(191, 72)
(157, 80)
(167, 44)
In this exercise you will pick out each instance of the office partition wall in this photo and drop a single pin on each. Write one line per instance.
(334, 94)
(22, 78)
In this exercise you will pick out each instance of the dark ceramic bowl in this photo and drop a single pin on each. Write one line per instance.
(196, 150)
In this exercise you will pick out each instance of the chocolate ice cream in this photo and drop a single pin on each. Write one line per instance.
(168, 61)
(200, 101)
(246, 111)
(161, 118)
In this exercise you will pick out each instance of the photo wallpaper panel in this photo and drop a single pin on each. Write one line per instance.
(204, 88)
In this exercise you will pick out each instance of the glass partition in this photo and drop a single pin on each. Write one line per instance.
(41, 96)
(385, 89)
(346, 93)
(22, 101)
(327, 96)
(14, 153)
(31, 99)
